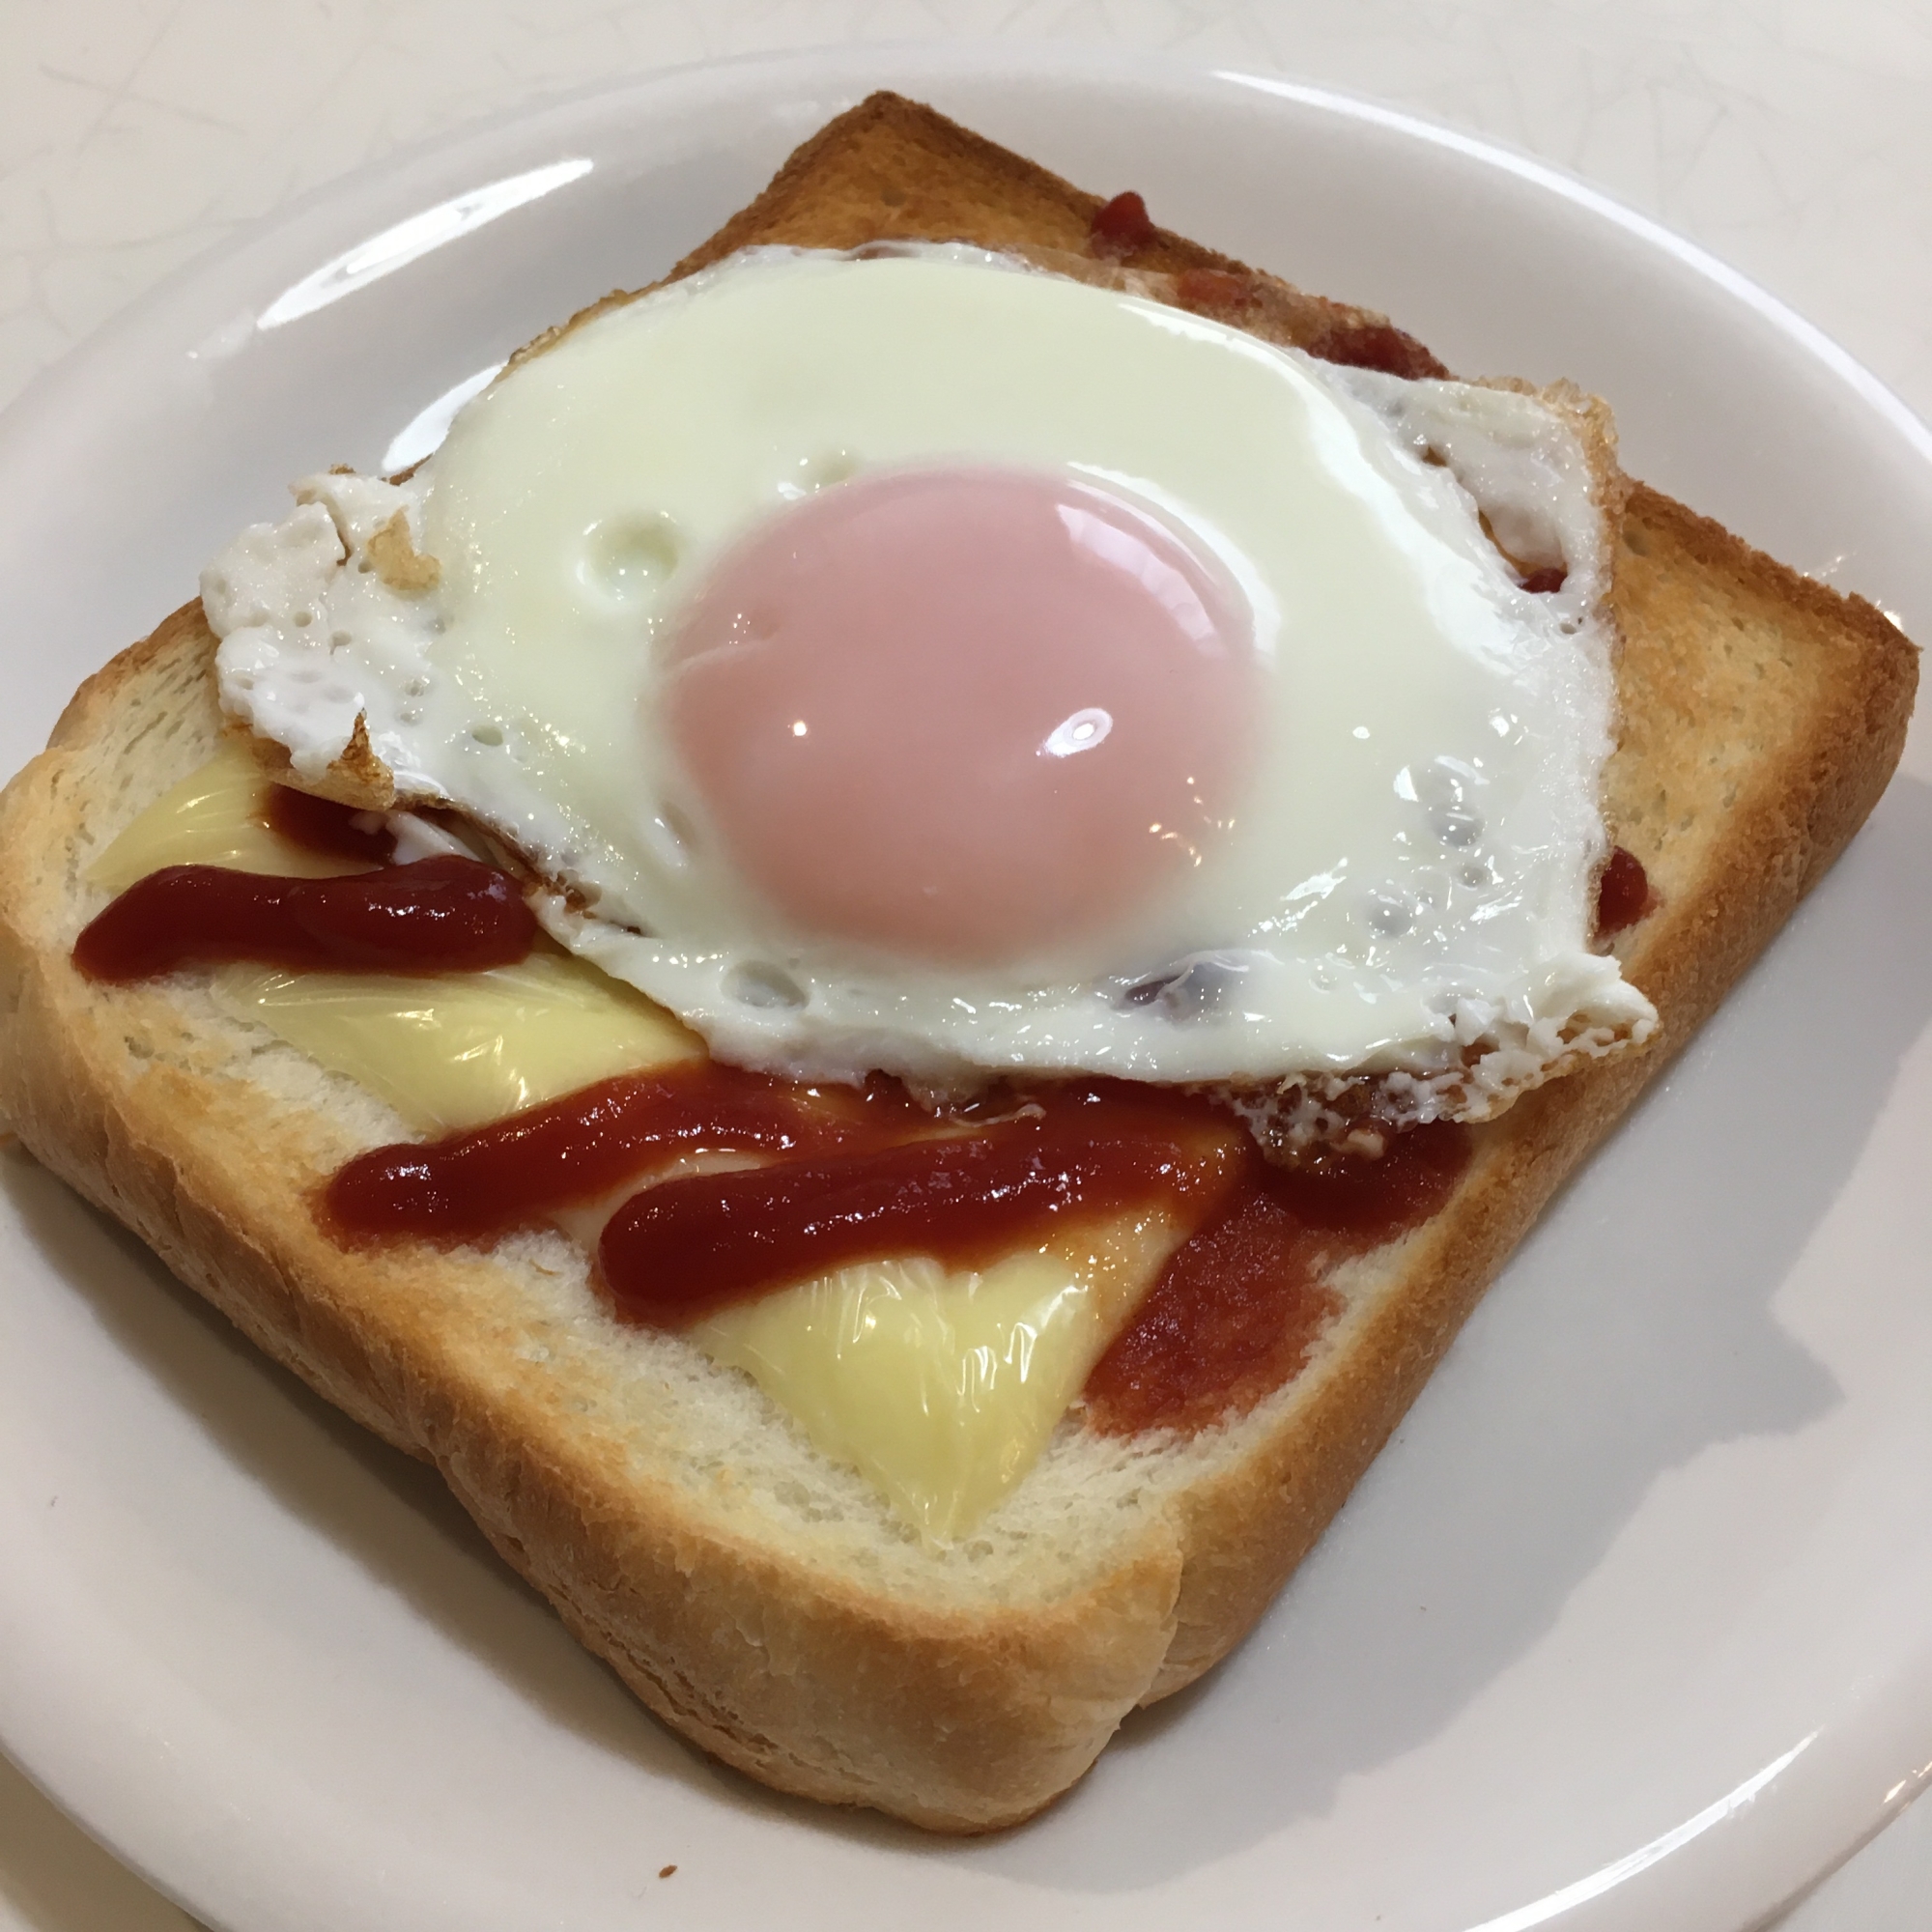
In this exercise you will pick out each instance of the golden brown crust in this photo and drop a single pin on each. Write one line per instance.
(1763, 714)
(893, 170)
(356, 778)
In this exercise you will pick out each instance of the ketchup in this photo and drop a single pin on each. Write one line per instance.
(1122, 227)
(845, 1177)
(1236, 1312)
(445, 914)
(322, 824)
(473, 1186)
(1623, 892)
(702, 1239)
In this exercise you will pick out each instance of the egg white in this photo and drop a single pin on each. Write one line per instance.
(1407, 884)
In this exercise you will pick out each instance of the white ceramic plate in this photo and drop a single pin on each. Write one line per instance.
(1628, 1628)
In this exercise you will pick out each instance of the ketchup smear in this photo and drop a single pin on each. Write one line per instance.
(445, 914)
(322, 824)
(847, 1177)
(1121, 227)
(1623, 892)
(1237, 1309)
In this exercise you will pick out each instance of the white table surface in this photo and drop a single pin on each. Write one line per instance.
(1791, 137)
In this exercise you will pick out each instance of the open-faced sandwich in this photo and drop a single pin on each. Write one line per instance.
(889, 958)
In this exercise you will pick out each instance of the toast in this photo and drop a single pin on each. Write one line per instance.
(762, 1600)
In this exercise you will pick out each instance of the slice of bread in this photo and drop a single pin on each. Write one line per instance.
(762, 1600)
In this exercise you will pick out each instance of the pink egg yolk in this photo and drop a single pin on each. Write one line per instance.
(964, 714)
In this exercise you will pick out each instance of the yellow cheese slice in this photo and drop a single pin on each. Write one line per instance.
(217, 816)
(942, 1389)
(455, 1050)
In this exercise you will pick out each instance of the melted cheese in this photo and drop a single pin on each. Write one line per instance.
(217, 816)
(940, 1388)
(455, 1050)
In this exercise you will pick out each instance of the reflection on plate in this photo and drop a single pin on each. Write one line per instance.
(1623, 1631)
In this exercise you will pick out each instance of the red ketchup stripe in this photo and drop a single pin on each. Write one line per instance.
(512, 1173)
(700, 1240)
(445, 914)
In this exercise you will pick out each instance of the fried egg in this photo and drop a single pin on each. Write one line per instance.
(916, 661)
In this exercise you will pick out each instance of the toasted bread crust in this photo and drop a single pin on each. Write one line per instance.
(1763, 717)
(893, 170)
(1730, 852)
